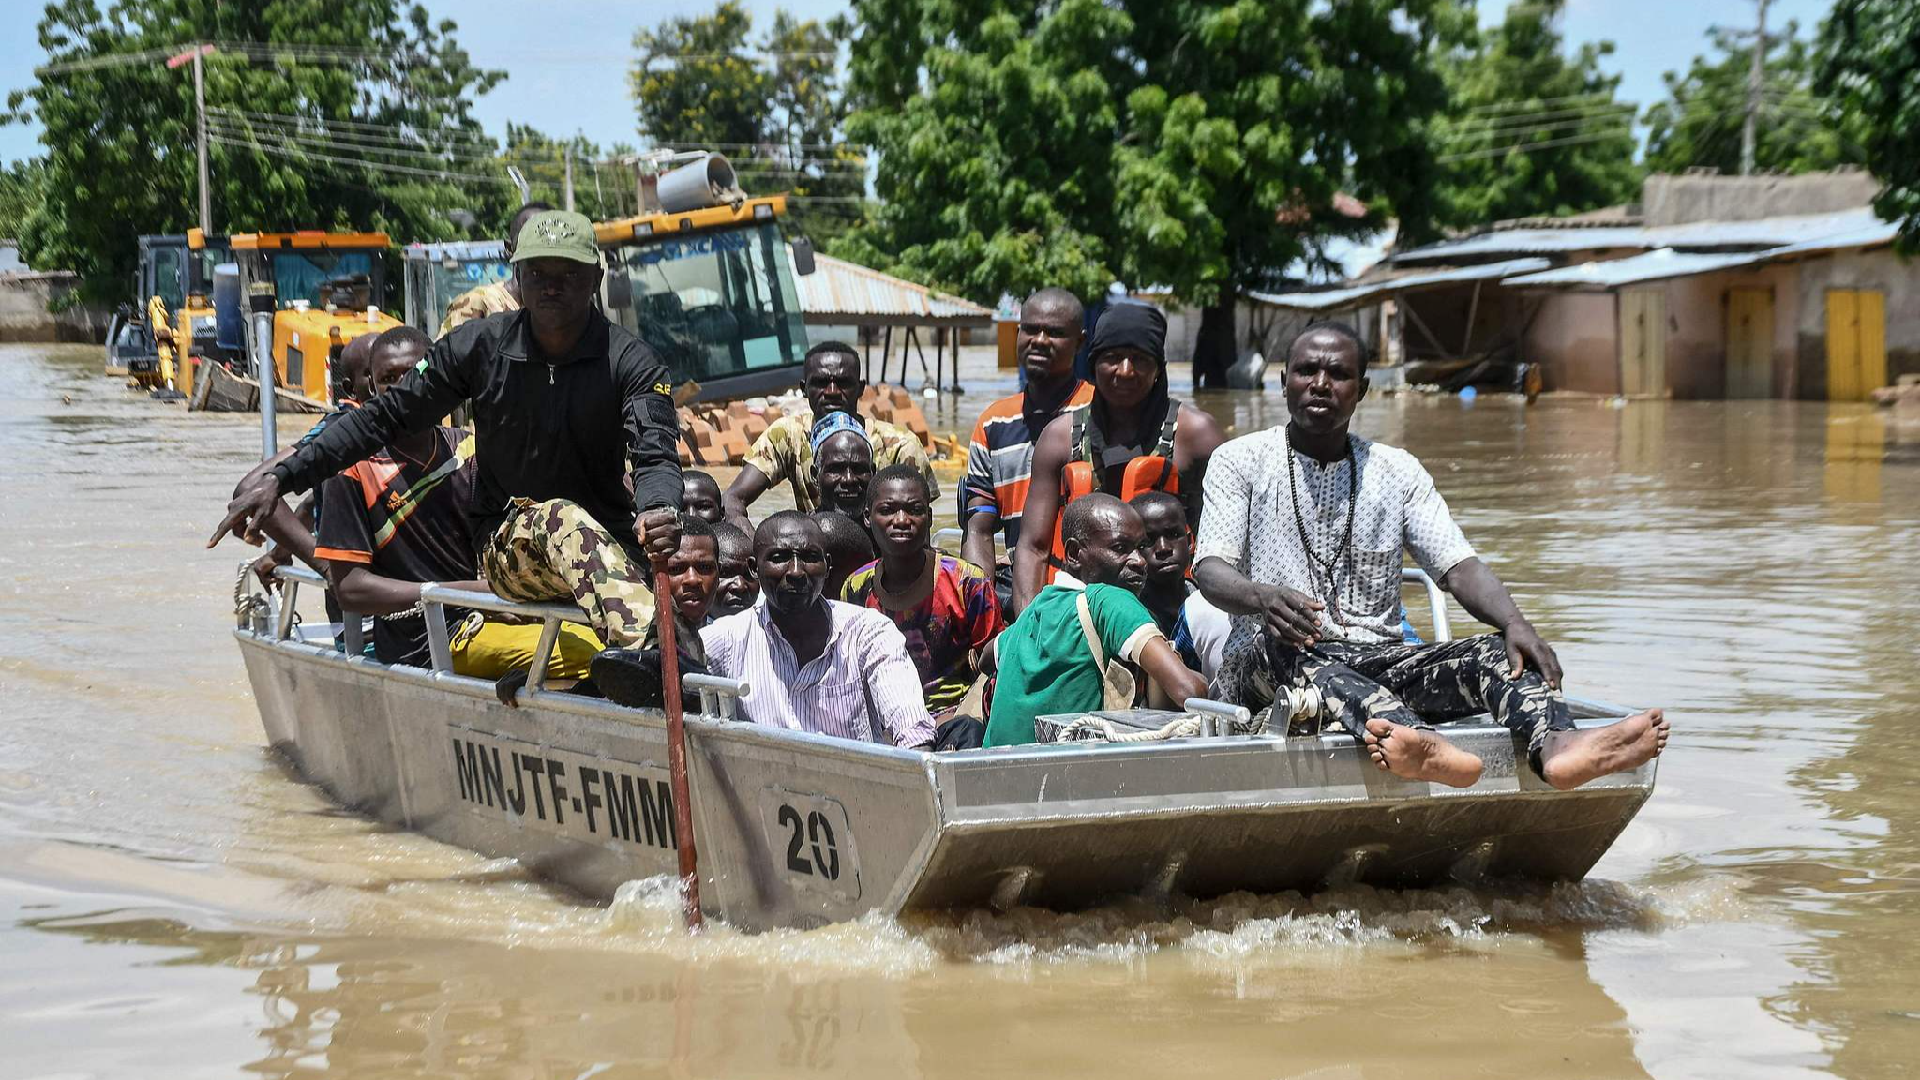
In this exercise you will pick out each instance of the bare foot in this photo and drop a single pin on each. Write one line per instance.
(1415, 754)
(1573, 758)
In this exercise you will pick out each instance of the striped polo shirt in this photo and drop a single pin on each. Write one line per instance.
(1000, 457)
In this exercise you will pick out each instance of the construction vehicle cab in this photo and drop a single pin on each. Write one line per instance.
(179, 269)
(437, 275)
(703, 275)
(324, 290)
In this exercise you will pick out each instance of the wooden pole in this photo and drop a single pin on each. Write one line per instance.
(1473, 312)
(200, 151)
(677, 751)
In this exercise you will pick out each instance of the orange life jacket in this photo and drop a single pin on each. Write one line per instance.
(1152, 472)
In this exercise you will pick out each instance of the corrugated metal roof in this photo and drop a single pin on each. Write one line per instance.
(1353, 296)
(1698, 235)
(840, 288)
(1653, 266)
(1666, 263)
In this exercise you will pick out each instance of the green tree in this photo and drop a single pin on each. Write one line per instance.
(1530, 130)
(22, 187)
(1198, 145)
(602, 181)
(1869, 67)
(1699, 124)
(995, 172)
(350, 114)
(694, 84)
(1262, 128)
(698, 85)
(806, 114)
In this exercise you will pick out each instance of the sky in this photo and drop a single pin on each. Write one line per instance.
(567, 73)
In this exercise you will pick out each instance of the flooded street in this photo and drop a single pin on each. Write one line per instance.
(177, 904)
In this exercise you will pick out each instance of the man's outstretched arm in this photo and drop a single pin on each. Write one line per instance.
(417, 403)
(746, 487)
(1474, 584)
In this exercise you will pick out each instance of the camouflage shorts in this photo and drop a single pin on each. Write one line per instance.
(554, 550)
(1413, 685)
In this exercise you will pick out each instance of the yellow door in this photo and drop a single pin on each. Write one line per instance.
(1749, 343)
(1643, 342)
(1870, 317)
(1856, 343)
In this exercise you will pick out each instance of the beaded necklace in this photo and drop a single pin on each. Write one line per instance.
(1329, 566)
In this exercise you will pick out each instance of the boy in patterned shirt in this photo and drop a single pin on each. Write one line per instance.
(945, 607)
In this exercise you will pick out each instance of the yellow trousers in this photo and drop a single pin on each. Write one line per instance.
(488, 650)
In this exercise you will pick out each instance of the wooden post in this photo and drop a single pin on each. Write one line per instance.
(677, 750)
(1414, 318)
(1473, 312)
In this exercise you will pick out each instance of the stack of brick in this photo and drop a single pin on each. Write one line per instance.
(716, 433)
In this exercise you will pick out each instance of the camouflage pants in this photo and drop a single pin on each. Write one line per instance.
(1413, 685)
(551, 550)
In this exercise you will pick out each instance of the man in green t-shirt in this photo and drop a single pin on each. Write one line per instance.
(1045, 662)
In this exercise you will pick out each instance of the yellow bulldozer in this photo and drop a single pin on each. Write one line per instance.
(323, 290)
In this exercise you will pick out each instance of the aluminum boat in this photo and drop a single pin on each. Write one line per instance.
(796, 829)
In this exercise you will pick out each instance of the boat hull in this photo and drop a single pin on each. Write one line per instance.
(800, 830)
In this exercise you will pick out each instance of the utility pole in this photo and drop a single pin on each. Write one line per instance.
(200, 116)
(1756, 77)
(193, 56)
(568, 190)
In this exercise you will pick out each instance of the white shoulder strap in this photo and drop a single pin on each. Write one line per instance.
(1086, 627)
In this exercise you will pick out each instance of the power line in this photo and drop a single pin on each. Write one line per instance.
(302, 155)
(1528, 148)
(107, 60)
(351, 142)
(355, 128)
(1621, 124)
(1497, 122)
(1510, 106)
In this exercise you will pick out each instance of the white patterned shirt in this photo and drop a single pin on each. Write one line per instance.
(862, 685)
(1250, 523)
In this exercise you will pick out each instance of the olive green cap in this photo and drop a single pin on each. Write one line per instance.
(557, 234)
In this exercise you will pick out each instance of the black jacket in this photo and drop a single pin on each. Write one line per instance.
(542, 430)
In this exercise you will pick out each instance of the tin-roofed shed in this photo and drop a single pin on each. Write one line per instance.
(1812, 305)
(846, 294)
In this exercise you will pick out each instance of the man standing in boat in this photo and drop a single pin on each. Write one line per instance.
(560, 396)
(993, 494)
(1132, 438)
(1302, 539)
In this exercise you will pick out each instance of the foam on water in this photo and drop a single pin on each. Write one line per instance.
(498, 901)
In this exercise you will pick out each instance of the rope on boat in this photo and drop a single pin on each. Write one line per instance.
(1303, 703)
(245, 603)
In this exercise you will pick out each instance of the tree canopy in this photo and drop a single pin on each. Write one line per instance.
(602, 180)
(342, 114)
(1197, 146)
(1530, 130)
(22, 186)
(1869, 66)
(1699, 125)
(773, 106)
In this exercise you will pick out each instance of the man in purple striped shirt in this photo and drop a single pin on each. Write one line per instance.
(814, 664)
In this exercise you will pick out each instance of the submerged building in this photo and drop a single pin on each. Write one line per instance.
(1713, 286)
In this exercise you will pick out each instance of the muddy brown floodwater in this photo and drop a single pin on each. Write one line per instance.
(177, 904)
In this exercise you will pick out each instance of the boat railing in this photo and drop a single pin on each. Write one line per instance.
(950, 538)
(718, 697)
